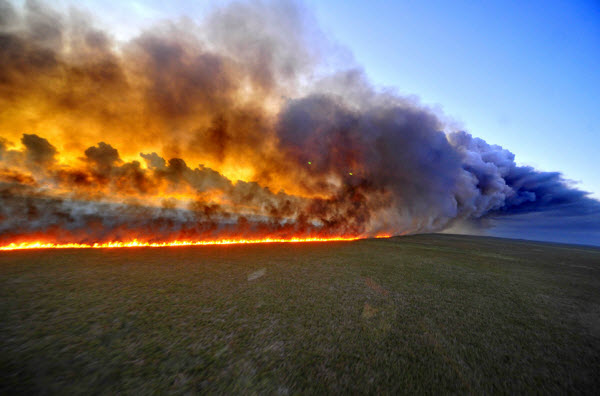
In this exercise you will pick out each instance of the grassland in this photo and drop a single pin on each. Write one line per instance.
(422, 314)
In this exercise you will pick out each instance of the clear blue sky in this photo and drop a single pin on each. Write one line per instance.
(522, 74)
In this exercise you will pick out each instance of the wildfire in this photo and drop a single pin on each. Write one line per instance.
(136, 243)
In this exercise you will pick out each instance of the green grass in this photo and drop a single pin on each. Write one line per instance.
(421, 314)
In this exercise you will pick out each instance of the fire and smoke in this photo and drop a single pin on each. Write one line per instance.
(232, 129)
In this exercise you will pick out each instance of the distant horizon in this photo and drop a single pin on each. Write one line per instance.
(594, 245)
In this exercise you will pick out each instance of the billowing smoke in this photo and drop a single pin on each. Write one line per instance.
(232, 128)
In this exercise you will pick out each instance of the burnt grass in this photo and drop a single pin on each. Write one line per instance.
(420, 314)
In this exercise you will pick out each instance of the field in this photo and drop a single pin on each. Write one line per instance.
(420, 314)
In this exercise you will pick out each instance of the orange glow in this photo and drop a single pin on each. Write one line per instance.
(169, 140)
(136, 243)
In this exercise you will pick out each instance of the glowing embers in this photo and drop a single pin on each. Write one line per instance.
(136, 243)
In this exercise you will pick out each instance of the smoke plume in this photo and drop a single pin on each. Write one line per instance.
(235, 127)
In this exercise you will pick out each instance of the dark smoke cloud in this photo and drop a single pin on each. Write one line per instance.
(506, 188)
(135, 140)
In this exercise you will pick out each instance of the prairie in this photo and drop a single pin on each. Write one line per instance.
(417, 314)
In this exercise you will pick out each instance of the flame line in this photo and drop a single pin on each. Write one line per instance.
(136, 243)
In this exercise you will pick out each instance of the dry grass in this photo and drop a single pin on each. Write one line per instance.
(422, 314)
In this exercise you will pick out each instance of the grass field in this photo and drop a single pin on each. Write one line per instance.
(420, 314)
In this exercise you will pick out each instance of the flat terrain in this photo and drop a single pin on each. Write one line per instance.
(426, 314)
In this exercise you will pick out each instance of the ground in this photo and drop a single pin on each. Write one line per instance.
(420, 314)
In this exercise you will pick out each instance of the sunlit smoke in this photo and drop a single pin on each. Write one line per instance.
(232, 129)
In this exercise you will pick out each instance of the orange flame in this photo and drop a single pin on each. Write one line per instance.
(136, 243)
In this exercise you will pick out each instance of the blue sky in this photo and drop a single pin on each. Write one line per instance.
(524, 75)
